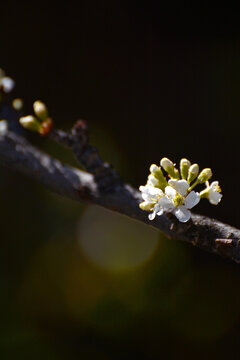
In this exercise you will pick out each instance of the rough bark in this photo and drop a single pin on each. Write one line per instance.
(102, 186)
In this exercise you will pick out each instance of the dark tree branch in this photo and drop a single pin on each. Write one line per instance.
(102, 186)
(87, 155)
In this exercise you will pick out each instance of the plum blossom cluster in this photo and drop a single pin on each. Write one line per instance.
(171, 190)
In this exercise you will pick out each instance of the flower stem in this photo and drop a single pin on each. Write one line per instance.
(193, 185)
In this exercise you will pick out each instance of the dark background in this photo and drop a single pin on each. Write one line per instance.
(151, 82)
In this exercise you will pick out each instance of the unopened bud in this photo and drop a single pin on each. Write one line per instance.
(17, 104)
(3, 127)
(168, 166)
(152, 180)
(204, 175)
(153, 169)
(184, 167)
(193, 172)
(7, 84)
(40, 110)
(30, 122)
(147, 206)
(157, 173)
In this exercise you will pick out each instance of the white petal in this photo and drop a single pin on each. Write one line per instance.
(192, 199)
(156, 191)
(145, 188)
(214, 193)
(156, 208)
(170, 192)
(182, 213)
(156, 211)
(150, 193)
(149, 189)
(165, 203)
(214, 197)
(214, 185)
(148, 198)
(152, 215)
(181, 186)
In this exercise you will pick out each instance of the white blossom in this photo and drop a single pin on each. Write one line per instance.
(181, 186)
(150, 193)
(178, 201)
(213, 192)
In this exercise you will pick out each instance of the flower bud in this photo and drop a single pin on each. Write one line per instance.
(184, 167)
(17, 104)
(153, 169)
(152, 180)
(157, 173)
(40, 110)
(3, 127)
(168, 166)
(204, 175)
(193, 172)
(147, 206)
(30, 122)
(7, 84)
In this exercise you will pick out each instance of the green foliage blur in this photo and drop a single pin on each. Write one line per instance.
(82, 282)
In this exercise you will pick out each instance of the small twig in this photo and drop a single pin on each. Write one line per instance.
(87, 155)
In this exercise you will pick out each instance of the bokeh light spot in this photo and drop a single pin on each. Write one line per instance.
(113, 241)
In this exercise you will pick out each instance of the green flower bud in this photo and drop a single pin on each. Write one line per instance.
(40, 110)
(193, 172)
(157, 173)
(152, 180)
(30, 122)
(147, 206)
(204, 175)
(168, 166)
(153, 169)
(184, 167)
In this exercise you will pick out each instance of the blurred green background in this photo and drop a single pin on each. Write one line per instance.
(82, 282)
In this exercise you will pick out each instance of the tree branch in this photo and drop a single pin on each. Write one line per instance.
(102, 186)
